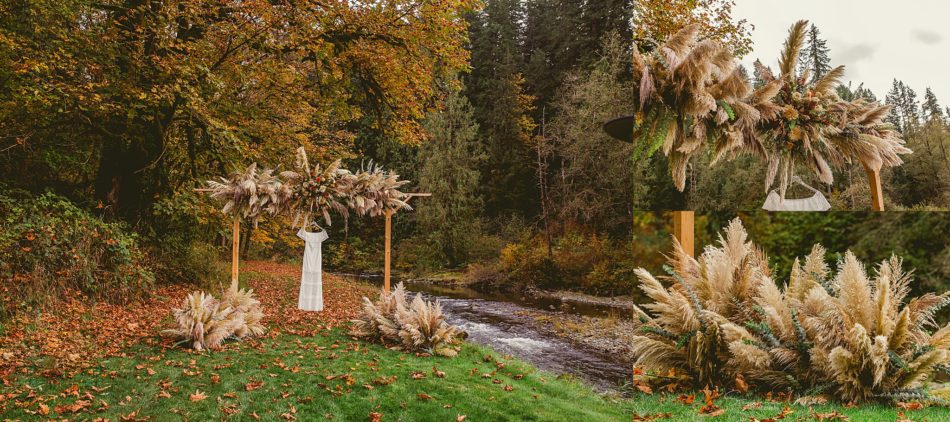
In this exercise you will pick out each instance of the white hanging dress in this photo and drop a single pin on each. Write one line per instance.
(311, 279)
(817, 202)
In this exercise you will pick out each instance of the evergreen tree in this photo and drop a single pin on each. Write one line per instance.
(910, 108)
(502, 109)
(905, 109)
(814, 57)
(449, 169)
(931, 108)
(848, 94)
(563, 35)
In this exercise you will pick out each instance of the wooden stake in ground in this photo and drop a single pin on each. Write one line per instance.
(388, 252)
(684, 230)
(877, 193)
(235, 252)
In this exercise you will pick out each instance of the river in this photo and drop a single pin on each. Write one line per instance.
(500, 322)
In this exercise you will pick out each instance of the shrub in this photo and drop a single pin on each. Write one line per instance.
(205, 322)
(48, 246)
(845, 334)
(416, 326)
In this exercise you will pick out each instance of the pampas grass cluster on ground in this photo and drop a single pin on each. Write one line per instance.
(418, 325)
(205, 322)
(842, 333)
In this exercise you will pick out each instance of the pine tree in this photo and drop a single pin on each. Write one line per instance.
(449, 169)
(904, 107)
(502, 109)
(910, 109)
(931, 108)
(564, 35)
(814, 57)
(848, 94)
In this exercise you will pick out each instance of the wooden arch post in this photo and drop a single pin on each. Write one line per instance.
(877, 193)
(235, 245)
(684, 229)
(387, 255)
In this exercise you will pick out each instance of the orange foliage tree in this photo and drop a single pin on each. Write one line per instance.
(659, 19)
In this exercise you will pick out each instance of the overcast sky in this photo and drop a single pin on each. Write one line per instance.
(876, 40)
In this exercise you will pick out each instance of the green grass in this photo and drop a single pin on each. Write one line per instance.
(331, 376)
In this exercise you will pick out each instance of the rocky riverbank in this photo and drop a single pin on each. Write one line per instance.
(610, 335)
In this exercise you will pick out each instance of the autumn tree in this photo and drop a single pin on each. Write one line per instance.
(150, 96)
(655, 20)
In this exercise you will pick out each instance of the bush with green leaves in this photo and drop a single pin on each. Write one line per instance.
(48, 245)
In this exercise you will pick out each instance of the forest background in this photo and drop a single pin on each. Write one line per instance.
(114, 111)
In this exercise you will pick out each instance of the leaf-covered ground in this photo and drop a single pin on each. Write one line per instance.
(86, 362)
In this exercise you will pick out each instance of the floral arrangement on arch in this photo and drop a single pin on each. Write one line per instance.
(319, 190)
(308, 190)
(691, 94)
(815, 128)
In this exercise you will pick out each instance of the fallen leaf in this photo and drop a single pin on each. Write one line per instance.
(914, 405)
(423, 396)
(753, 405)
(741, 385)
(650, 418)
(687, 400)
(197, 396)
(375, 417)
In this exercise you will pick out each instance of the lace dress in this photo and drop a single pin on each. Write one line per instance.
(311, 280)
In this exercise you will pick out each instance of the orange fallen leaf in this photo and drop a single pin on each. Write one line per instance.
(914, 405)
(687, 400)
(741, 385)
(197, 396)
(375, 417)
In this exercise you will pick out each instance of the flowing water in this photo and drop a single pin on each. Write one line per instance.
(499, 322)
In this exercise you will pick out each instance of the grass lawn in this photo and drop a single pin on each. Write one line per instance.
(301, 370)
(329, 376)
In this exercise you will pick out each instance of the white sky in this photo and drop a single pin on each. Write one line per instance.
(876, 40)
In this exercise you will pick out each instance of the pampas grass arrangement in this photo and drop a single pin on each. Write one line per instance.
(205, 322)
(320, 190)
(691, 93)
(846, 334)
(817, 129)
(412, 326)
(250, 193)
